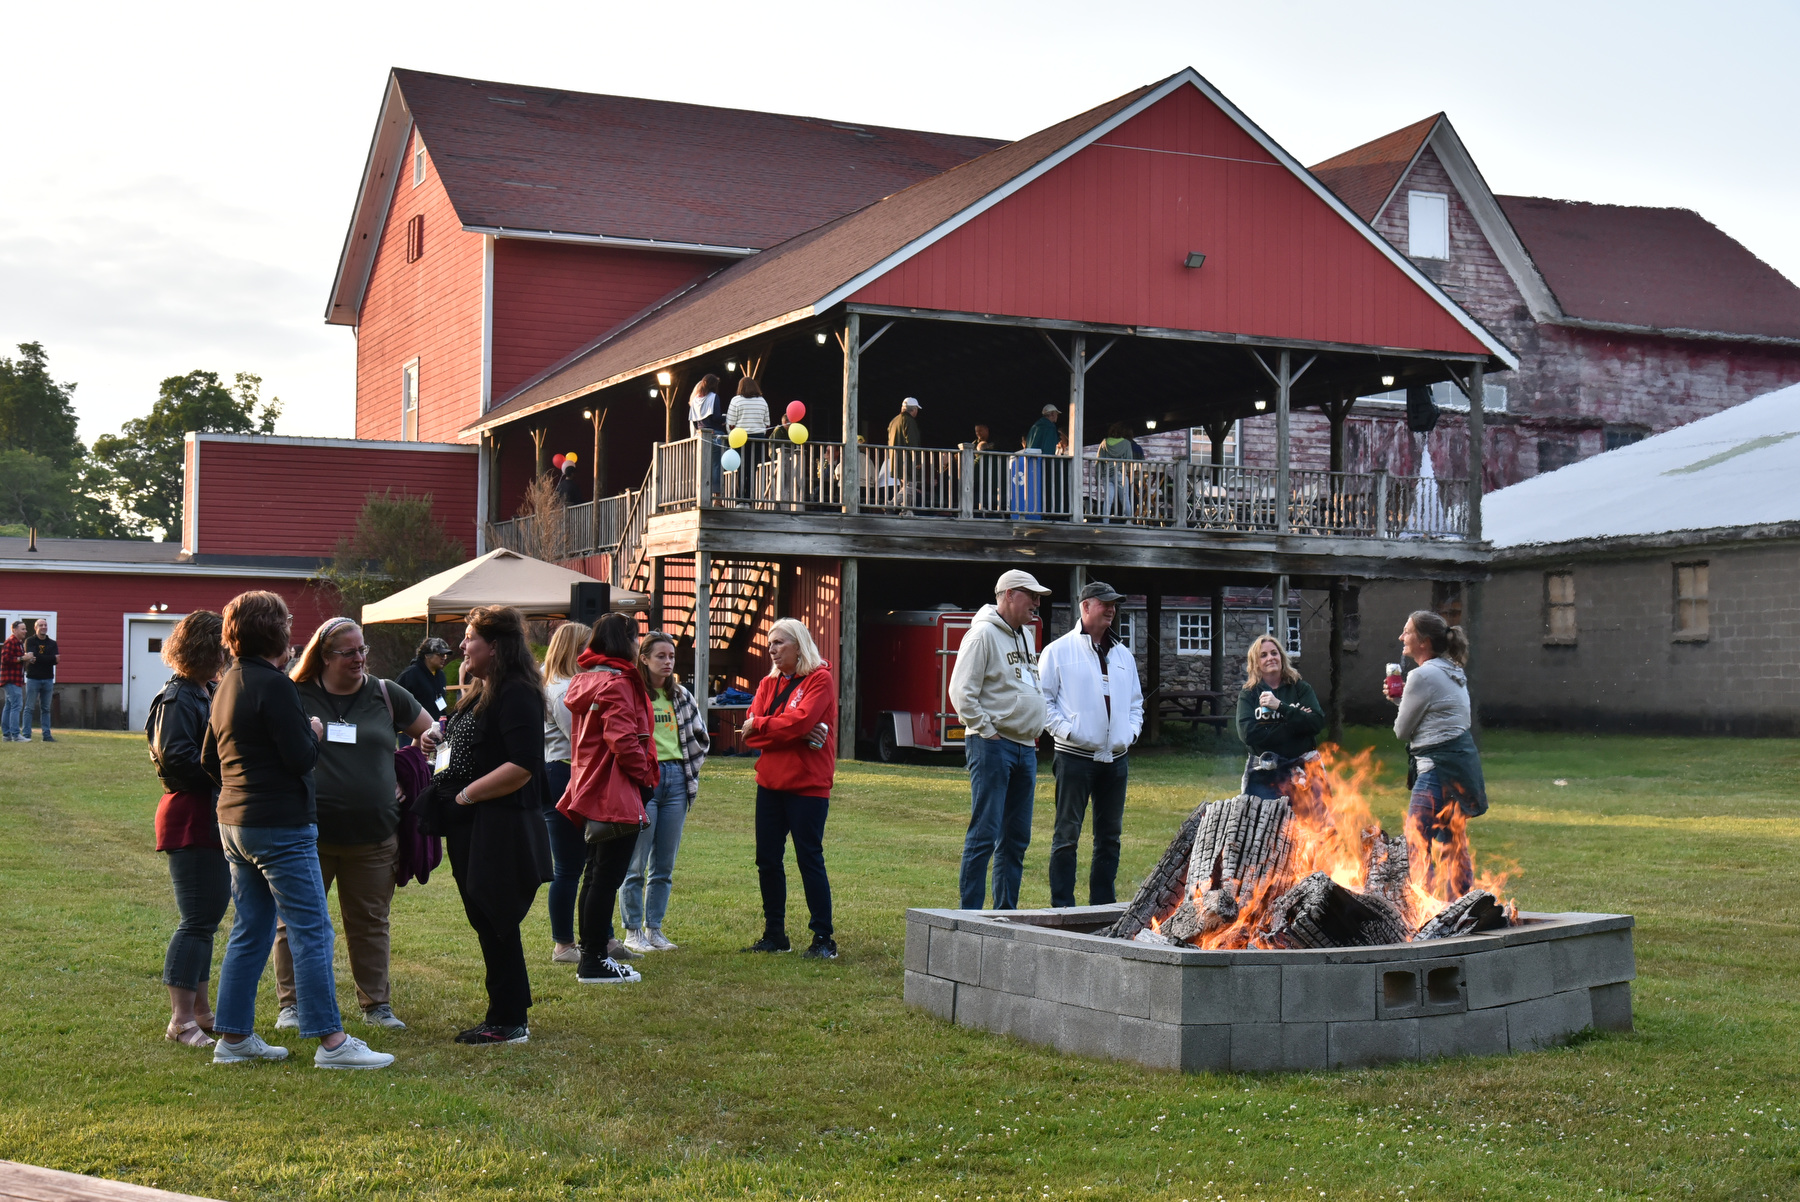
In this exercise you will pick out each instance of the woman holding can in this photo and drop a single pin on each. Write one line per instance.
(1278, 718)
(1443, 765)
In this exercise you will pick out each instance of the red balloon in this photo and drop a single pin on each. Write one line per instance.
(557, 461)
(795, 411)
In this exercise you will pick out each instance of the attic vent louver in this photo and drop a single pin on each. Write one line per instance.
(504, 100)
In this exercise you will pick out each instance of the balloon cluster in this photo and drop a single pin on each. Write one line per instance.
(557, 461)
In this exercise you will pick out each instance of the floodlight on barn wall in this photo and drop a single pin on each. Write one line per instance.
(665, 378)
(1195, 258)
(819, 338)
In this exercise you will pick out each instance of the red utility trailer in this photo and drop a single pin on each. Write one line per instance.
(906, 656)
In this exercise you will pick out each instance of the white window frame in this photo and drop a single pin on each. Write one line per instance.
(1420, 218)
(409, 401)
(1200, 448)
(1125, 628)
(1293, 630)
(418, 159)
(1200, 640)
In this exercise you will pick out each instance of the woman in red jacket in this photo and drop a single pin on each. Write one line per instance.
(613, 769)
(793, 721)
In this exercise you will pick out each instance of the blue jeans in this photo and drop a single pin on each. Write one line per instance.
(645, 894)
(275, 874)
(202, 883)
(1449, 870)
(12, 716)
(568, 855)
(1003, 781)
(37, 694)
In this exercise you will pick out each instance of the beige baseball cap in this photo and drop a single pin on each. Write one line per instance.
(1019, 579)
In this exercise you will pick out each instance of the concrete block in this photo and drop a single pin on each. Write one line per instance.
(1546, 1021)
(1611, 1005)
(1061, 974)
(1588, 960)
(1009, 966)
(1255, 993)
(1036, 1021)
(1206, 1049)
(1328, 993)
(1151, 1043)
(1476, 1033)
(955, 955)
(1510, 974)
(1360, 1044)
(1304, 1047)
(975, 1007)
(1087, 1032)
(934, 995)
(1278, 1047)
(1116, 984)
(1190, 994)
(918, 944)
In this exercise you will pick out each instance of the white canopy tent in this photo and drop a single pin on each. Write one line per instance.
(535, 588)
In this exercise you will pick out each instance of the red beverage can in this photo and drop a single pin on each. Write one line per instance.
(1396, 683)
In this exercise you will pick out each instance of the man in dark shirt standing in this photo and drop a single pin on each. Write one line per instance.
(40, 680)
(424, 679)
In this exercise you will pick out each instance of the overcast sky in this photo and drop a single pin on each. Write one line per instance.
(177, 178)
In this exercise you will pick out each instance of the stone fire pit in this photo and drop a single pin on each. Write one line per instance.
(1043, 976)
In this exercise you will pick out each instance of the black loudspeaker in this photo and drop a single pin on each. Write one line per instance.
(589, 600)
(1421, 411)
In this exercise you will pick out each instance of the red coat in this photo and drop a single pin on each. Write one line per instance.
(787, 763)
(610, 735)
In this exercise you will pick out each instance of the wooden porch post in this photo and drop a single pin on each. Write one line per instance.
(1153, 660)
(1283, 493)
(702, 630)
(1472, 590)
(1217, 667)
(1077, 582)
(1077, 414)
(1279, 619)
(847, 636)
(1336, 705)
(659, 613)
(852, 465)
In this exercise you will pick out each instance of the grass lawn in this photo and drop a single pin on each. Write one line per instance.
(725, 1075)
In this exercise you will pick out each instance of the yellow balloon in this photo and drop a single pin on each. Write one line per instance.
(797, 434)
(569, 458)
(738, 438)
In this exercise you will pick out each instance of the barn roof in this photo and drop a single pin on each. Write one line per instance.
(1731, 471)
(812, 272)
(1366, 176)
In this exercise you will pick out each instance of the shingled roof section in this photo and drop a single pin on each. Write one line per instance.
(1662, 269)
(539, 159)
(1364, 177)
(793, 276)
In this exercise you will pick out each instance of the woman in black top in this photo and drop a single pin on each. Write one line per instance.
(1278, 717)
(488, 808)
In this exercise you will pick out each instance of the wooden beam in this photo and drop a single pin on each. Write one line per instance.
(1335, 707)
(1077, 582)
(702, 630)
(1077, 413)
(1217, 668)
(1153, 647)
(848, 632)
(851, 472)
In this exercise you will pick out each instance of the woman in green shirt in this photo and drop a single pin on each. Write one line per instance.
(681, 746)
(1278, 717)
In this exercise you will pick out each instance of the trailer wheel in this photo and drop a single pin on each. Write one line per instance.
(887, 742)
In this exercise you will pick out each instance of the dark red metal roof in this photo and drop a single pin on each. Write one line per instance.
(1365, 176)
(539, 159)
(1667, 269)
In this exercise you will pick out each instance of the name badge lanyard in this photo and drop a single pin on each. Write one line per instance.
(340, 729)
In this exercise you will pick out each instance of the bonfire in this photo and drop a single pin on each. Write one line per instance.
(1313, 869)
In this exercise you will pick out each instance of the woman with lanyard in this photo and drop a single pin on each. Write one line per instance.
(359, 807)
(1278, 718)
(1443, 768)
(793, 721)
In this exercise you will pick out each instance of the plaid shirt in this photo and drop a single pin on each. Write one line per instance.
(12, 662)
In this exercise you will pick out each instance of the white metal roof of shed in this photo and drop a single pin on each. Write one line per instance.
(1734, 469)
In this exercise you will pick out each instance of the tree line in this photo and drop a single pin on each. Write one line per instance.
(127, 485)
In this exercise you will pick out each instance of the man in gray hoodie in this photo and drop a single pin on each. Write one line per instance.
(996, 692)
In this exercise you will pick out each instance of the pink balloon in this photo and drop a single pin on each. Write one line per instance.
(557, 460)
(795, 411)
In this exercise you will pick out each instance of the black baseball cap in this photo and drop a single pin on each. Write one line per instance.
(1097, 591)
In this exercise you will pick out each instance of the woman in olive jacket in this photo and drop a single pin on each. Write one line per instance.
(1278, 718)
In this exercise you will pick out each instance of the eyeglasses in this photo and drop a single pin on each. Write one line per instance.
(351, 653)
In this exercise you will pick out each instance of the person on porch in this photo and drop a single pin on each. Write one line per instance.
(1095, 711)
(1043, 436)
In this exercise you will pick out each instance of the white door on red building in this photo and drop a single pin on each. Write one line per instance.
(144, 670)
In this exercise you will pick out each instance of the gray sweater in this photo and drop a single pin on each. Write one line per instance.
(1434, 706)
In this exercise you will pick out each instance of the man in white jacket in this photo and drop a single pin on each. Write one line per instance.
(994, 687)
(1095, 710)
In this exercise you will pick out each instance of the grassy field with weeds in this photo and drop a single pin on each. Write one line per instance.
(727, 1075)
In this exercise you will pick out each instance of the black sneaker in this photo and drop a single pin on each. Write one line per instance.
(605, 970)
(771, 943)
(822, 948)
(489, 1033)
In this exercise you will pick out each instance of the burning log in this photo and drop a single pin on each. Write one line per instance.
(1389, 875)
(1320, 913)
(1166, 885)
(1475, 911)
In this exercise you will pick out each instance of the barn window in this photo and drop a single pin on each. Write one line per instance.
(1428, 225)
(1624, 436)
(1193, 633)
(415, 238)
(409, 402)
(1123, 628)
(418, 159)
(1692, 621)
(1293, 631)
(1559, 608)
(1200, 445)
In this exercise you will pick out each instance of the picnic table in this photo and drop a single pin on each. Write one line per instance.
(1197, 706)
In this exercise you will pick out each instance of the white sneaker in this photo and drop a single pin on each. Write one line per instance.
(637, 940)
(352, 1053)
(654, 936)
(250, 1047)
(288, 1019)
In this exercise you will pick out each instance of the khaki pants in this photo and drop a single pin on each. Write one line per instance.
(365, 884)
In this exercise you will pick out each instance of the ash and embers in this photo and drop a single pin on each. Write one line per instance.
(1313, 870)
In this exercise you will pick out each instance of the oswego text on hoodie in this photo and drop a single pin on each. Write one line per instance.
(995, 686)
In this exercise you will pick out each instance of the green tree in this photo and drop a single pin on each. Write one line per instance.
(397, 543)
(137, 473)
(36, 413)
(36, 492)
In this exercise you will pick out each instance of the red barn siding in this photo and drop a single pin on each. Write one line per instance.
(551, 299)
(1103, 236)
(429, 309)
(89, 607)
(282, 497)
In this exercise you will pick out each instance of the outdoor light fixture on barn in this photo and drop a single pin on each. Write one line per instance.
(1195, 258)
